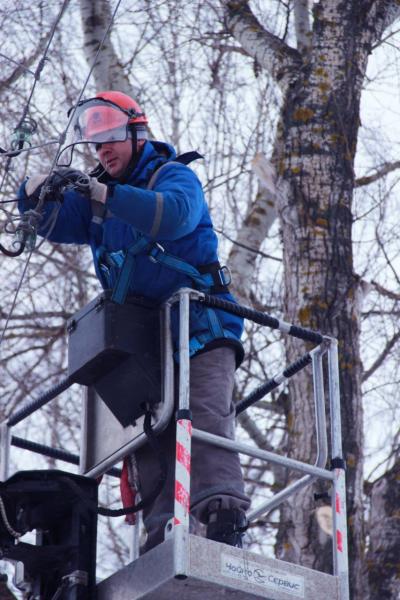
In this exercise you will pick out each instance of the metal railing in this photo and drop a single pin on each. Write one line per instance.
(326, 347)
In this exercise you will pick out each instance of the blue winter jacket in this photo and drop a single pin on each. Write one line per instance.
(173, 213)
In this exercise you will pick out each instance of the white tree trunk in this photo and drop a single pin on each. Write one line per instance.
(260, 216)
(108, 71)
(314, 157)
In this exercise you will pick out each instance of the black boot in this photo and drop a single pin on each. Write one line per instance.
(227, 525)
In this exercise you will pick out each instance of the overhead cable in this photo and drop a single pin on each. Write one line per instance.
(36, 76)
(60, 144)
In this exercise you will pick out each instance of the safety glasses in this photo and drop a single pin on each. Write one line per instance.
(99, 121)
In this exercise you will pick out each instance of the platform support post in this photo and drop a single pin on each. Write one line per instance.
(340, 545)
(5, 442)
(183, 446)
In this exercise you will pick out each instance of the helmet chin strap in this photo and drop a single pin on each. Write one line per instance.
(136, 153)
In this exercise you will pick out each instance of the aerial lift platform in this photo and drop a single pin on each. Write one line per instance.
(191, 567)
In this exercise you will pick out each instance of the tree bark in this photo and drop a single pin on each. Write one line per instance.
(384, 546)
(108, 71)
(259, 218)
(302, 24)
(314, 159)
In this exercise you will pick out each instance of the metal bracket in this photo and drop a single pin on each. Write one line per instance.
(169, 529)
(77, 578)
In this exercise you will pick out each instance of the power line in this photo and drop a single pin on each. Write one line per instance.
(37, 73)
(15, 62)
(61, 142)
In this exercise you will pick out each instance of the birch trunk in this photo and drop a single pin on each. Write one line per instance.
(314, 159)
(261, 214)
(315, 156)
(108, 71)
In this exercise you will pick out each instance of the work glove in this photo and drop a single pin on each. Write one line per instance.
(56, 183)
(62, 179)
(98, 191)
(66, 178)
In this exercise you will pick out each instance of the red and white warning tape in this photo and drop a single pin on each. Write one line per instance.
(341, 558)
(182, 472)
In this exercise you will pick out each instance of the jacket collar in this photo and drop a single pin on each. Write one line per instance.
(153, 155)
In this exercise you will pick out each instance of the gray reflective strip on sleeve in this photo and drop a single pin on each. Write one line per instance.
(157, 217)
(153, 178)
(159, 198)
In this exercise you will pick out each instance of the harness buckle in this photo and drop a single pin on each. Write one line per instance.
(225, 276)
(155, 251)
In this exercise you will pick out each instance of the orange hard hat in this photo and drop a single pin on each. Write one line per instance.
(126, 103)
(109, 117)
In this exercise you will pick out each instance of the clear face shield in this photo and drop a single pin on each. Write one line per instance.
(95, 121)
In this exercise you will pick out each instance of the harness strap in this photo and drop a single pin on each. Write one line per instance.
(182, 159)
(156, 173)
(121, 287)
(157, 254)
(212, 278)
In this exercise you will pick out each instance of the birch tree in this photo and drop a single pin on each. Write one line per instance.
(216, 76)
(321, 82)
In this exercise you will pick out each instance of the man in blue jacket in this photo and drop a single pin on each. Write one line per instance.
(144, 202)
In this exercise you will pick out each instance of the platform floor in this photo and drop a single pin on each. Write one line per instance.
(216, 571)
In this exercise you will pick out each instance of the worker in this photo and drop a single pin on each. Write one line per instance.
(144, 199)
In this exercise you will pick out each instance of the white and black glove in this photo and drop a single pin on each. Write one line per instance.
(62, 179)
(66, 178)
(98, 191)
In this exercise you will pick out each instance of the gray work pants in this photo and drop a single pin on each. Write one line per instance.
(215, 472)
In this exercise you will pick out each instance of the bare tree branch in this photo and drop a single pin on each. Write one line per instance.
(383, 14)
(381, 172)
(270, 52)
(28, 62)
(254, 431)
(302, 25)
(384, 292)
(378, 362)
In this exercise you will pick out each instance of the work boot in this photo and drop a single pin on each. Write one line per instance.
(227, 525)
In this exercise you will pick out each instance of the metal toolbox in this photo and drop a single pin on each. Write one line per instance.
(116, 348)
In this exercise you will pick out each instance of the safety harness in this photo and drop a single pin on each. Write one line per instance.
(117, 270)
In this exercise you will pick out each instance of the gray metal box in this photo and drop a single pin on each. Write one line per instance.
(116, 348)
